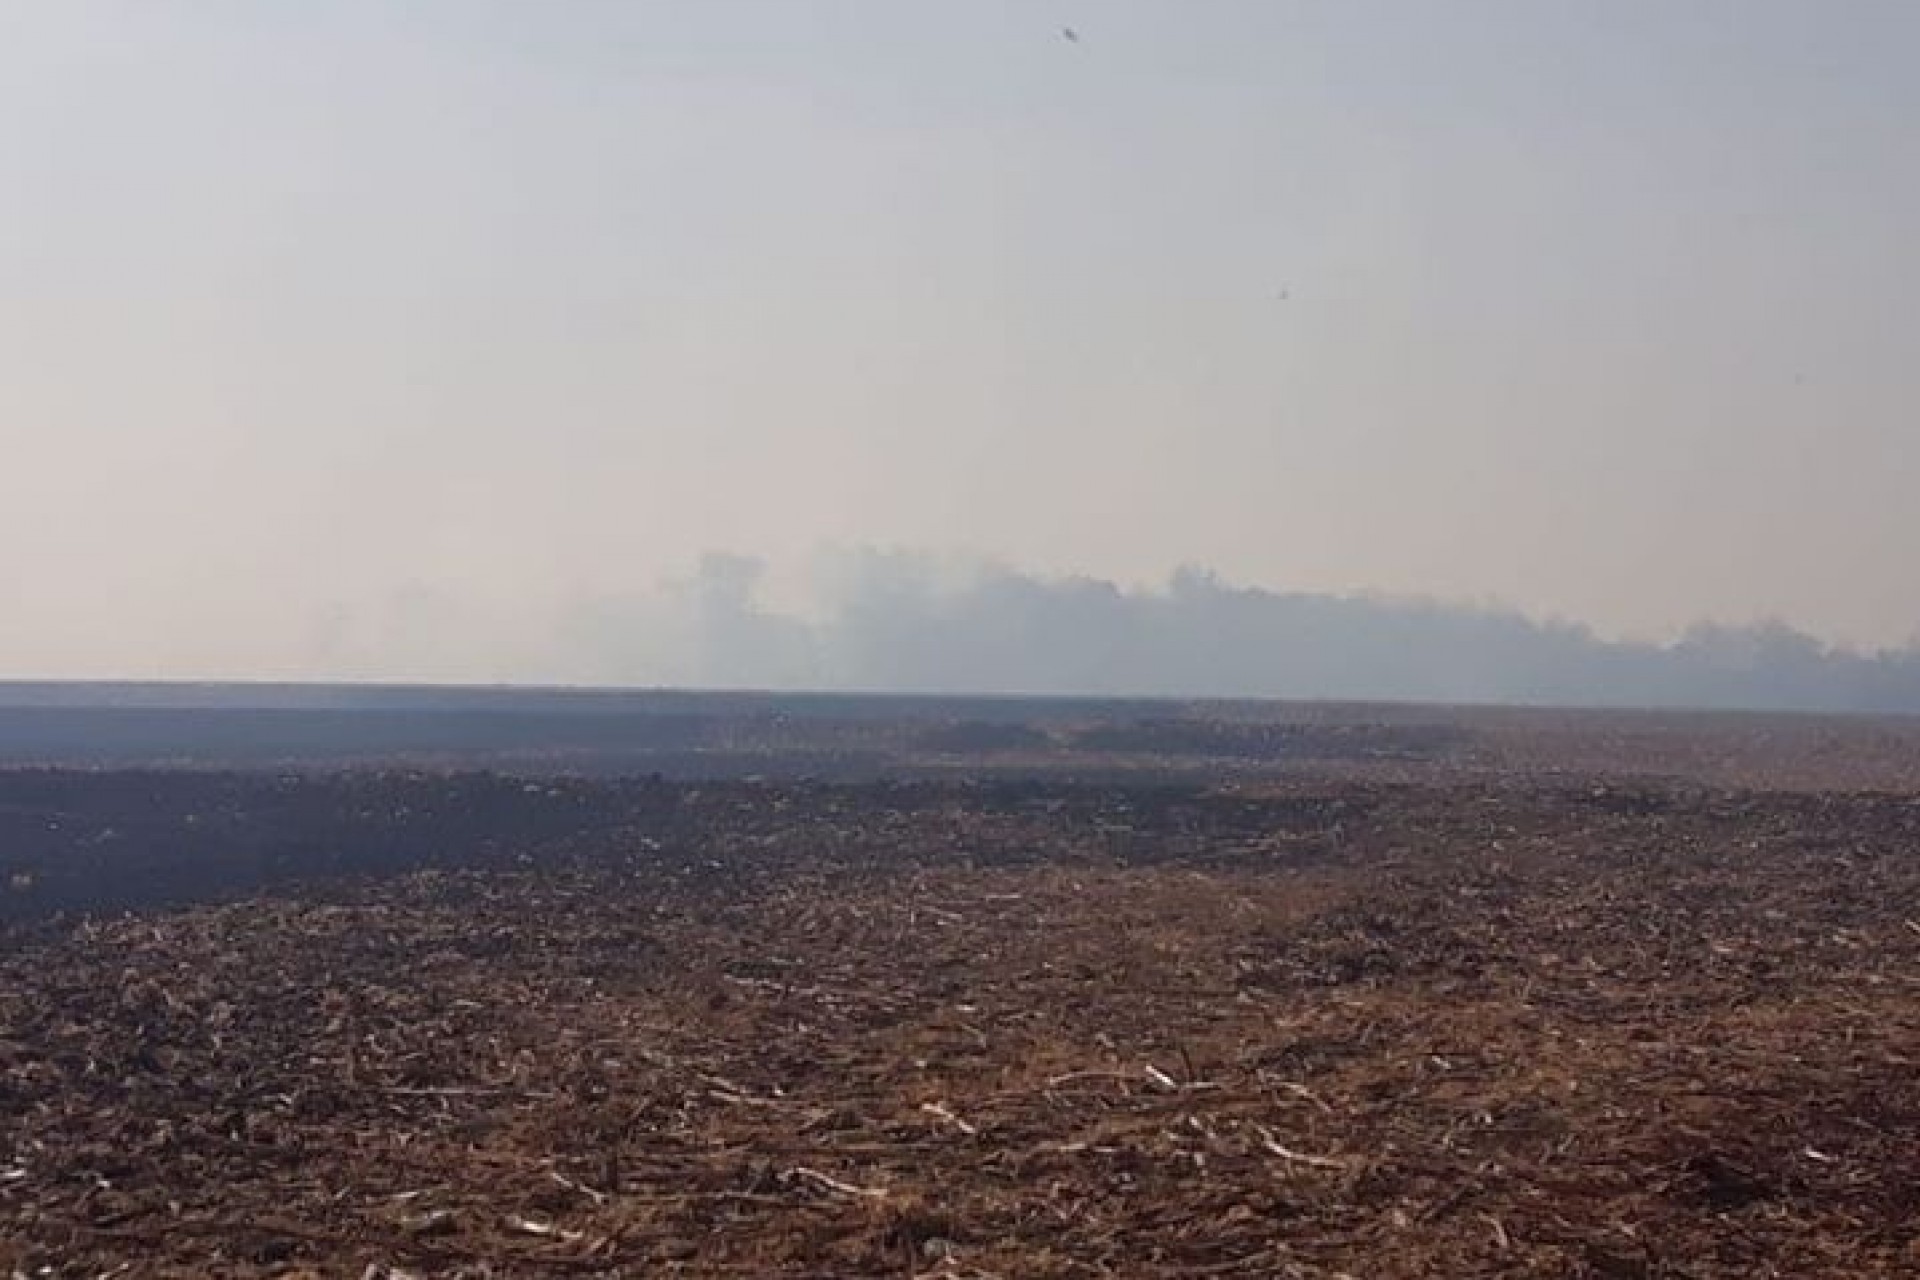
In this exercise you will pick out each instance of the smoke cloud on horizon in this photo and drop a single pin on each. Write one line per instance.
(897, 621)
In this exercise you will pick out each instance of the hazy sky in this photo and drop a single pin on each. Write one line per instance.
(416, 316)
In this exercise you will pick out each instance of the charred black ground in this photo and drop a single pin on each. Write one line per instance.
(1514, 994)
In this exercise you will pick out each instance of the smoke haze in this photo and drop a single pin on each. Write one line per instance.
(442, 340)
(901, 622)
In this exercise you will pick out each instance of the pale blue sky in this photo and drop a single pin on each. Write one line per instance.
(313, 312)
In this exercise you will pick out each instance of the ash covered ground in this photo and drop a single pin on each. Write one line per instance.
(1076, 992)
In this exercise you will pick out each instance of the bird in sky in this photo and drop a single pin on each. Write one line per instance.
(1070, 35)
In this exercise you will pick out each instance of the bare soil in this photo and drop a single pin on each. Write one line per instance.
(1560, 1022)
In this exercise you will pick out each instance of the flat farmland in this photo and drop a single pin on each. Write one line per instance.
(1529, 999)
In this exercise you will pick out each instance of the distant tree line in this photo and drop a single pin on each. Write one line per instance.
(894, 623)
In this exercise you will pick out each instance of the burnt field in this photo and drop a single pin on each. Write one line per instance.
(1510, 995)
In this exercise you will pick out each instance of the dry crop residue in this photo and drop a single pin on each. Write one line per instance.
(803, 1030)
